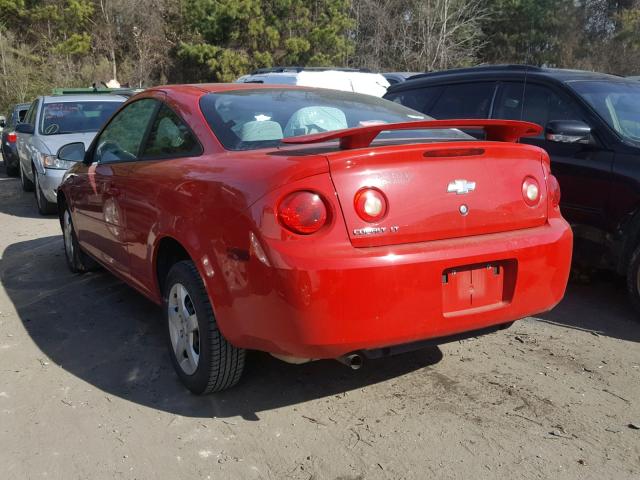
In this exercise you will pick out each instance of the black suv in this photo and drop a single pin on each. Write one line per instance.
(8, 138)
(591, 127)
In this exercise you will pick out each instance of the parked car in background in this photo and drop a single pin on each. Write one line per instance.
(312, 223)
(591, 131)
(398, 77)
(51, 122)
(345, 79)
(9, 138)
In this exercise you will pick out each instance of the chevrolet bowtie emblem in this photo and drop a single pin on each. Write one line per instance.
(461, 187)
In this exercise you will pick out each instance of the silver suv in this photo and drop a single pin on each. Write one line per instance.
(51, 122)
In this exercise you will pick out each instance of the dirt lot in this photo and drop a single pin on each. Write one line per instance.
(87, 390)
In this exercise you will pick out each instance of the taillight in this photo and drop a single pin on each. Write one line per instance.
(12, 137)
(531, 191)
(302, 212)
(554, 190)
(370, 204)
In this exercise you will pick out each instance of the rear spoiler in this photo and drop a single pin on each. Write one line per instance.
(361, 137)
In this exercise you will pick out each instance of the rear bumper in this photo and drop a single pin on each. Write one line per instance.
(10, 155)
(339, 299)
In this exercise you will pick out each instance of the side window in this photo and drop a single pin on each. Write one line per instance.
(419, 99)
(30, 117)
(465, 100)
(170, 137)
(541, 104)
(122, 137)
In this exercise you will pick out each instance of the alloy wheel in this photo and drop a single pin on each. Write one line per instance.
(183, 328)
(67, 229)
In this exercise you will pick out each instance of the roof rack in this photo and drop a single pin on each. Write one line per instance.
(513, 67)
(127, 92)
(306, 69)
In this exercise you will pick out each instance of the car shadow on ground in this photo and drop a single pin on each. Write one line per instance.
(15, 201)
(600, 306)
(100, 330)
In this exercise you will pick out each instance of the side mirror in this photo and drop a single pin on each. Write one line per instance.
(3, 123)
(24, 128)
(72, 152)
(568, 131)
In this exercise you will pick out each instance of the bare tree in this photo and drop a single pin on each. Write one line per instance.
(415, 35)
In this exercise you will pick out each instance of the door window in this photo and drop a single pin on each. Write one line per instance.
(122, 137)
(419, 99)
(541, 104)
(170, 137)
(30, 117)
(465, 100)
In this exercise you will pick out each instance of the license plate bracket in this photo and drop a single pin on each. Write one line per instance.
(476, 287)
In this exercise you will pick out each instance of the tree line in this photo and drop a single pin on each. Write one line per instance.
(76, 43)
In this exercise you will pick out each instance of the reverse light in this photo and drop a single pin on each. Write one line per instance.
(12, 137)
(370, 204)
(302, 212)
(531, 191)
(554, 190)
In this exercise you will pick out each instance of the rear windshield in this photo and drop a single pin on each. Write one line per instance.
(75, 117)
(250, 119)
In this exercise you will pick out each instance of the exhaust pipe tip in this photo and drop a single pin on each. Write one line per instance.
(354, 361)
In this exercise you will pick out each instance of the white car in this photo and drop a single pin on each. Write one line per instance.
(51, 122)
(345, 79)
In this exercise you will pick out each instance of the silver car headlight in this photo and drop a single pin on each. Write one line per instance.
(51, 161)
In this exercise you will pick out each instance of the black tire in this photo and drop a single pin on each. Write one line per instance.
(77, 260)
(10, 171)
(27, 185)
(633, 280)
(219, 364)
(45, 207)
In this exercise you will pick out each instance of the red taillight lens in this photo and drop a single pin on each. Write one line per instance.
(12, 137)
(531, 191)
(302, 212)
(554, 190)
(370, 204)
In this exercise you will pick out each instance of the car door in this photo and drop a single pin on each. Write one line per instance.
(464, 100)
(583, 171)
(100, 220)
(159, 170)
(23, 142)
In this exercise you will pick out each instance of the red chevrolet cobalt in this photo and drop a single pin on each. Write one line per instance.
(313, 224)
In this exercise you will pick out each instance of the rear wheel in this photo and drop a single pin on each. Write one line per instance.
(633, 279)
(45, 207)
(203, 359)
(9, 170)
(27, 185)
(77, 260)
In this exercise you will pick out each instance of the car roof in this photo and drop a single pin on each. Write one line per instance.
(504, 71)
(87, 97)
(200, 88)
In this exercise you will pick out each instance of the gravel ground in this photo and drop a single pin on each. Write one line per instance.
(87, 390)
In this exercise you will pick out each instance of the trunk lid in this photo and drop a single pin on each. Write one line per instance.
(427, 185)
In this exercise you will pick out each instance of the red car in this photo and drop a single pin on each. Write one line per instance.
(313, 224)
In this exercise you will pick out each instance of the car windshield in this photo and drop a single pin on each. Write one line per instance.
(250, 119)
(618, 103)
(75, 117)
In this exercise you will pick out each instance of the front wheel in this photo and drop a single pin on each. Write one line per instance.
(203, 359)
(633, 280)
(77, 260)
(27, 185)
(45, 207)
